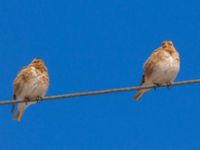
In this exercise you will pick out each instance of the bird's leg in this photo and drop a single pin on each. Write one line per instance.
(169, 84)
(38, 98)
(157, 85)
(27, 99)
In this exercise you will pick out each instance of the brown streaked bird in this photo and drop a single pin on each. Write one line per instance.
(31, 83)
(160, 68)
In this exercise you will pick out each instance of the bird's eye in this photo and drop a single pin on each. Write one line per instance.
(170, 44)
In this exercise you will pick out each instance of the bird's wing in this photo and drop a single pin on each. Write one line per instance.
(24, 76)
(151, 63)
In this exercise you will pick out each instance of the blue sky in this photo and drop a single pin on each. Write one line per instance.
(90, 45)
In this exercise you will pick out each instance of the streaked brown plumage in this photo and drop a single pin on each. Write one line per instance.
(31, 83)
(161, 67)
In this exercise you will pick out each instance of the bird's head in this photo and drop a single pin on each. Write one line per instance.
(37, 61)
(167, 44)
(38, 64)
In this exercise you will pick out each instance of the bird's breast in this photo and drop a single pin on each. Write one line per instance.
(165, 70)
(34, 87)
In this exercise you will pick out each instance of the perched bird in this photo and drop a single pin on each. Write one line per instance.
(160, 68)
(31, 83)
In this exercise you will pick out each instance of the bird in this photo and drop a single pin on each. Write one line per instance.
(32, 82)
(162, 67)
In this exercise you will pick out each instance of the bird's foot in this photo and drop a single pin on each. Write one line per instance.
(26, 100)
(38, 98)
(168, 84)
(157, 85)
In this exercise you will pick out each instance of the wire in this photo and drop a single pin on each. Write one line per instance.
(117, 90)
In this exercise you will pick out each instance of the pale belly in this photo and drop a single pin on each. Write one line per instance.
(165, 72)
(32, 90)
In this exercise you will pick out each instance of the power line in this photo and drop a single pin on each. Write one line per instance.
(117, 90)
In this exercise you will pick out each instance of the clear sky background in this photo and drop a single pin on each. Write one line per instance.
(100, 44)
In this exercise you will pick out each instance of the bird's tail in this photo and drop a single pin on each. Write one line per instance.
(19, 113)
(139, 94)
